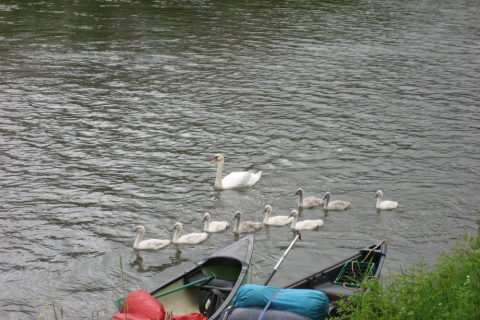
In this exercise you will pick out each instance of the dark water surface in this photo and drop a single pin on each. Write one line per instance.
(110, 112)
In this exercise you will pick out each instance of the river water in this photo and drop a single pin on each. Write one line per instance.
(110, 112)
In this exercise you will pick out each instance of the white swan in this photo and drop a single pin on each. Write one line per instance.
(246, 226)
(213, 226)
(151, 244)
(384, 205)
(191, 238)
(234, 179)
(305, 224)
(308, 202)
(276, 220)
(334, 205)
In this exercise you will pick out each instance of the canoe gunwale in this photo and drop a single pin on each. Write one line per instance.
(377, 254)
(222, 258)
(322, 280)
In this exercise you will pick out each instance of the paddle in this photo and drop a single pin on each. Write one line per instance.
(119, 302)
(298, 236)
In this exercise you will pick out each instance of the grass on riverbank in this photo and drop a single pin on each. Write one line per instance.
(449, 290)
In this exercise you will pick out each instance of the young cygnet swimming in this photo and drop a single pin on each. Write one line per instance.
(384, 205)
(308, 202)
(245, 226)
(150, 244)
(276, 220)
(305, 224)
(191, 238)
(334, 205)
(234, 179)
(213, 226)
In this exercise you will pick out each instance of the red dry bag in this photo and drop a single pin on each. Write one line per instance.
(140, 302)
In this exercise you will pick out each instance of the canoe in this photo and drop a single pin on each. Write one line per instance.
(225, 271)
(339, 281)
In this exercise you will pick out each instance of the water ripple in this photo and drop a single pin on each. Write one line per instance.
(108, 122)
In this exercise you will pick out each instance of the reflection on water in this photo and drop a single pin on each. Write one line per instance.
(137, 264)
(111, 111)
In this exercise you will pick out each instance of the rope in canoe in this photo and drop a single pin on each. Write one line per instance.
(366, 257)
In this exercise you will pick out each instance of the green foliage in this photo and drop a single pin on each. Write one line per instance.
(449, 290)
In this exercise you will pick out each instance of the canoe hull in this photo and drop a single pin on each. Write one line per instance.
(332, 281)
(324, 280)
(231, 269)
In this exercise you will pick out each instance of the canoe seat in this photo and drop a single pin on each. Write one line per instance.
(225, 286)
(227, 270)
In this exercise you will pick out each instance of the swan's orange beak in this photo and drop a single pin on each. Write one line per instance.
(214, 159)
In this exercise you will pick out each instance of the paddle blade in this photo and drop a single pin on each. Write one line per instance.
(119, 303)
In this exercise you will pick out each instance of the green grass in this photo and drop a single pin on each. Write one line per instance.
(448, 290)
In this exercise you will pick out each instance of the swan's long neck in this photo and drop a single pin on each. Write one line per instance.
(267, 216)
(207, 224)
(325, 204)
(138, 240)
(176, 235)
(218, 179)
(236, 228)
(294, 221)
(300, 200)
(379, 199)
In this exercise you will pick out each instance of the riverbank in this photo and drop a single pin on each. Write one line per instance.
(448, 290)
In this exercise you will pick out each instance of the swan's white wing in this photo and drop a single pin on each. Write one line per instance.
(254, 177)
(257, 226)
(309, 224)
(310, 202)
(338, 205)
(250, 226)
(314, 201)
(153, 244)
(236, 180)
(193, 238)
(319, 222)
(280, 220)
(218, 226)
(388, 204)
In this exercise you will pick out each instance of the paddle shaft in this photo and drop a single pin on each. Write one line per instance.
(184, 286)
(282, 258)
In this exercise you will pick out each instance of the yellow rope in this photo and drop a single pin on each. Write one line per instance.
(378, 245)
(353, 270)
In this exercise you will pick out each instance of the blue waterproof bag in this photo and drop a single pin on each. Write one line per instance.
(310, 303)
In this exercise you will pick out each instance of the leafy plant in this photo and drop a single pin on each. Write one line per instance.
(448, 290)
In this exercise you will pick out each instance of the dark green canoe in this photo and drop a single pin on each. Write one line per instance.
(225, 271)
(339, 281)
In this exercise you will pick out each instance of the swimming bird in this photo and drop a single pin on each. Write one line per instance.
(213, 226)
(334, 205)
(276, 220)
(308, 202)
(245, 226)
(191, 238)
(384, 205)
(305, 224)
(150, 244)
(234, 179)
